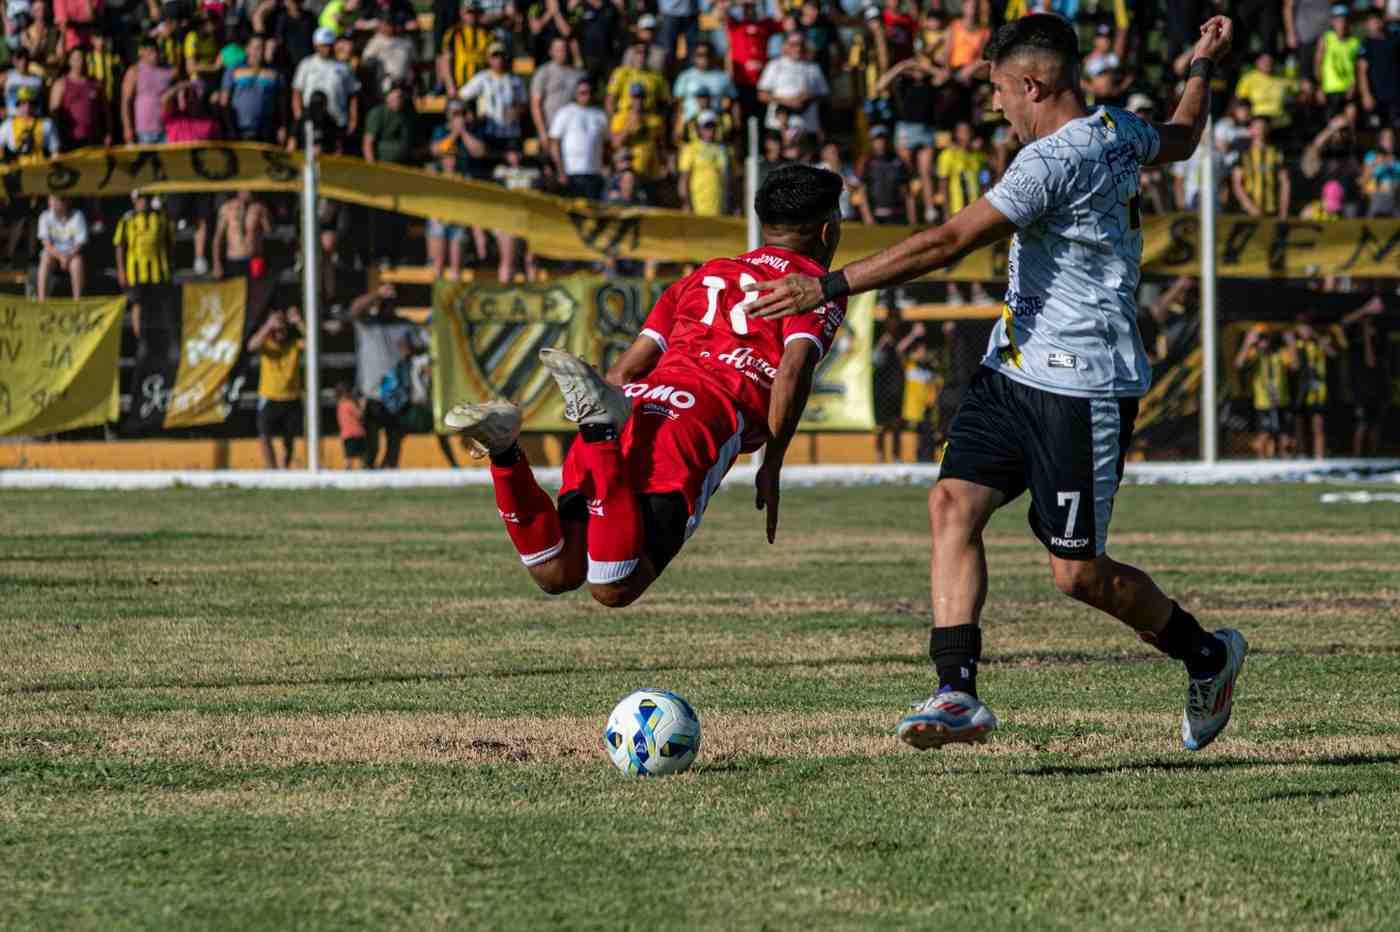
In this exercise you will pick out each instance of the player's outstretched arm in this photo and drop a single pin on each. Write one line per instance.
(635, 362)
(1181, 135)
(791, 389)
(979, 224)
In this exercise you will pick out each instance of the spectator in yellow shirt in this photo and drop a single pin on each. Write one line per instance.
(1268, 93)
(279, 384)
(622, 90)
(959, 171)
(704, 169)
(640, 133)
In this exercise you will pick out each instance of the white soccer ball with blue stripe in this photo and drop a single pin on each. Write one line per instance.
(652, 733)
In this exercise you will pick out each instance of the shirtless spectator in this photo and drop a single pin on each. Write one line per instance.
(243, 223)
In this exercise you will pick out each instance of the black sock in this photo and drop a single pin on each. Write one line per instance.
(955, 652)
(1183, 639)
(593, 433)
(507, 457)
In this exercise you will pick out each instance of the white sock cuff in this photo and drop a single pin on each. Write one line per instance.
(534, 559)
(600, 573)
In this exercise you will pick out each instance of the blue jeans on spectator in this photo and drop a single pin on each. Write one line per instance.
(672, 28)
(150, 139)
(587, 186)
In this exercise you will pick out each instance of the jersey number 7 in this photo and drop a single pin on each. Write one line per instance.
(738, 320)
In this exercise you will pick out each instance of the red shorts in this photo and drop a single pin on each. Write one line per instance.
(683, 436)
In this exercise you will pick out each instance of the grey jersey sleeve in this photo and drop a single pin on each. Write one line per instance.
(1141, 134)
(1024, 193)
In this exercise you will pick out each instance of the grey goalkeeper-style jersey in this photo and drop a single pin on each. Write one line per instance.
(1069, 324)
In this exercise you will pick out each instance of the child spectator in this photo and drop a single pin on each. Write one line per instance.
(350, 419)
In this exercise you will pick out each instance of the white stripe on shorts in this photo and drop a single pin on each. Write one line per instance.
(1106, 425)
(727, 455)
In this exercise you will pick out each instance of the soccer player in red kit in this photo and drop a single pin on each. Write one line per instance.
(701, 384)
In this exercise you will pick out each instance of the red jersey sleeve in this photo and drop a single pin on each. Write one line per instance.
(663, 315)
(819, 325)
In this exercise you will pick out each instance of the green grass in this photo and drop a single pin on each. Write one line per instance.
(263, 710)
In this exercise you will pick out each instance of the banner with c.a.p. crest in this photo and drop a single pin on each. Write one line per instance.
(58, 364)
(487, 338)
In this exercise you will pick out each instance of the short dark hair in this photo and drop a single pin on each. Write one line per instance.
(798, 196)
(1039, 32)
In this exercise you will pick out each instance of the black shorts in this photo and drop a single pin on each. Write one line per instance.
(191, 208)
(1067, 451)
(1273, 421)
(279, 418)
(664, 519)
(354, 447)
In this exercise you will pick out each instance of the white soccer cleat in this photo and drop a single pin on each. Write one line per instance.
(491, 427)
(1208, 702)
(588, 398)
(947, 718)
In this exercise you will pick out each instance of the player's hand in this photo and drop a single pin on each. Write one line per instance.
(784, 297)
(1214, 42)
(766, 492)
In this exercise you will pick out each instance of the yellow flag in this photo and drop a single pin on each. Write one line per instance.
(211, 337)
(58, 364)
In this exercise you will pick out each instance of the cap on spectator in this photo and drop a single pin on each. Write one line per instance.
(637, 89)
(1103, 29)
(872, 12)
(646, 21)
(706, 118)
(703, 93)
(1341, 9)
(136, 194)
(1140, 102)
(1333, 194)
(879, 129)
(391, 84)
(323, 36)
(495, 49)
(1101, 64)
(216, 8)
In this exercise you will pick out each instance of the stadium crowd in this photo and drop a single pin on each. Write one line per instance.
(644, 102)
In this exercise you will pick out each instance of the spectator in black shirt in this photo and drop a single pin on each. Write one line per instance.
(599, 34)
(916, 103)
(1378, 71)
(886, 180)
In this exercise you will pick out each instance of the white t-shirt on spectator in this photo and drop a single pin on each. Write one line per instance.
(67, 235)
(395, 55)
(1192, 170)
(333, 78)
(497, 94)
(783, 77)
(581, 132)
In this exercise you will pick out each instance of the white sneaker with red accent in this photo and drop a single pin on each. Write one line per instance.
(947, 718)
(1208, 702)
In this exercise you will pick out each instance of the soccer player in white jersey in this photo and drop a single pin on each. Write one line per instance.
(1051, 410)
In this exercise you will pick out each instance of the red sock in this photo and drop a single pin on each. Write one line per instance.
(615, 521)
(528, 512)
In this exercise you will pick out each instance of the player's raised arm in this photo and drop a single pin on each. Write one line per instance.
(1182, 133)
(980, 224)
(791, 389)
(636, 361)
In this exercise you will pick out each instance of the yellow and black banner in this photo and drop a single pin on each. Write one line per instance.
(486, 340)
(58, 364)
(185, 377)
(562, 228)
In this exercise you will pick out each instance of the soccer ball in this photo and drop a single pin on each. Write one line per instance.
(652, 733)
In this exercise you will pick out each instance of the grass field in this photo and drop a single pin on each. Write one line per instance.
(329, 710)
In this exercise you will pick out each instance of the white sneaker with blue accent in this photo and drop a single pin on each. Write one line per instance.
(947, 718)
(1209, 701)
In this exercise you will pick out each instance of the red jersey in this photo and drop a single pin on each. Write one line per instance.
(748, 46)
(701, 327)
(899, 35)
